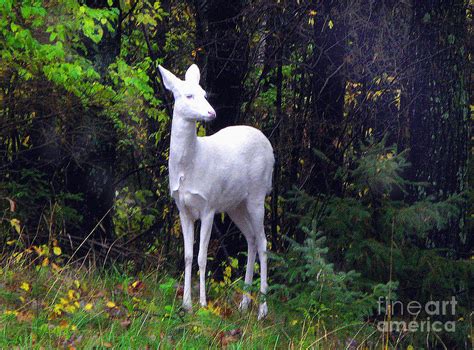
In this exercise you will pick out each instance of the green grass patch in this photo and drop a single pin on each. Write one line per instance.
(43, 307)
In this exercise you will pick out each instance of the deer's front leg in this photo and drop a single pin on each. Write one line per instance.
(187, 226)
(205, 235)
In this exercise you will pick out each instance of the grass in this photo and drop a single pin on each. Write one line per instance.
(45, 306)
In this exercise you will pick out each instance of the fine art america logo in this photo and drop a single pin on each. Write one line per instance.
(412, 310)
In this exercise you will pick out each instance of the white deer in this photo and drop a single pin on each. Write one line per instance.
(230, 171)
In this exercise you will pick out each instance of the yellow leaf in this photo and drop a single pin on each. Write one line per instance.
(57, 251)
(110, 304)
(15, 224)
(70, 308)
(330, 24)
(228, 271)
(25, 141)
(88, 307)
(58, 309)
(25, 286)
(11, 242)
(77, 283)
(45, 262)
(70, 294)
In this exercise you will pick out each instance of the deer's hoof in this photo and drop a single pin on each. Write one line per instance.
(244, 304)
(187, 308)
(262, 311)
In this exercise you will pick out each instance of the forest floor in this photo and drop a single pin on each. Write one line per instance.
(45, 306)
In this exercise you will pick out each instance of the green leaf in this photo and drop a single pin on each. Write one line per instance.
(26, 11)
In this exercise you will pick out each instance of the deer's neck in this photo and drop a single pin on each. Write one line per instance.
(182, 149)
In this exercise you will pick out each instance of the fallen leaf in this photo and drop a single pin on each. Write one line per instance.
(24, 316)
(228, 337)
(126, 323)
(136, 287)
(110, 304)
(12, 204)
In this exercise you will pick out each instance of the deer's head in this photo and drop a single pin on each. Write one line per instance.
(189, 97)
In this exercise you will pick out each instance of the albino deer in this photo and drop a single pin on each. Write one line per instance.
(230, 171)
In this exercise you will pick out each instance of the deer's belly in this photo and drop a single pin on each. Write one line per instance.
(196, 204)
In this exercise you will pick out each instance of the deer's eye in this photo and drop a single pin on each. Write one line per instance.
(189, 97)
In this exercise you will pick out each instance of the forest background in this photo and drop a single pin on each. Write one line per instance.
(368, 105)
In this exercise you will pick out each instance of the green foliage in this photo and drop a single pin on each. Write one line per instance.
(319, 293)
(49, 53)
(34, 197)
(380, 237)
(131, 213)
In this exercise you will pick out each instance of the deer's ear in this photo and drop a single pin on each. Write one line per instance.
(169, 79)
(192, 74)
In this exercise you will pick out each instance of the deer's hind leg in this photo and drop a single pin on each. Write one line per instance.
(241, 217)
(256, 210)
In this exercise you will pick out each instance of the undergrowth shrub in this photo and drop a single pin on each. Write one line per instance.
(380, 239)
